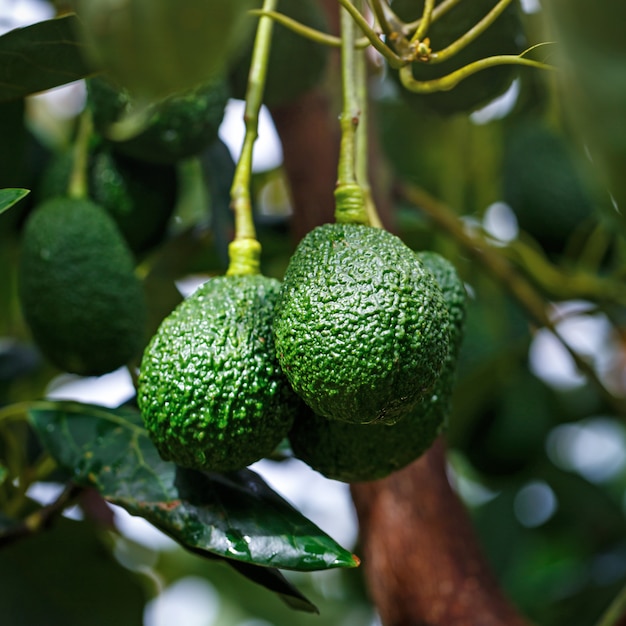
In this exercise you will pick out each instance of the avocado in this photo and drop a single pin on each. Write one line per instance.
(77, 288)
(158, 47)
(364, 452)
(139, 196)
(361, 327)
(542, 185)
(177, 127)
(211, 391)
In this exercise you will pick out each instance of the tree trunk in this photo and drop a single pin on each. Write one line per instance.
(422, 560)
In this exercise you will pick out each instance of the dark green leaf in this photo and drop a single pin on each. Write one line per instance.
(40, 57)
(67, 577)
(14, 137)
(272, 579)
(9, 197)
(235, 515)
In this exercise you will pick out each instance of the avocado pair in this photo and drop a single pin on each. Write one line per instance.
(362, 328)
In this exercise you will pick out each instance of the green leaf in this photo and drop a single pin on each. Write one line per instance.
(68, 577)
(272, 579)
(235, 516)
(40, 57)
(9, 197)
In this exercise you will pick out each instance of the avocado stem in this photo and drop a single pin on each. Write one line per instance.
(349, 196)
(362, 141)
(244, 251)
(78, 186)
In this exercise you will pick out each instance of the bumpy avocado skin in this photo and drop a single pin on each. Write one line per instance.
(364, 452)
(78, 291)
(178, 127)
(211, 391)
(361, 328)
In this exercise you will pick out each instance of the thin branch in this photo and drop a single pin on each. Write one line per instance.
(392, 58)
(306, 31)
(424, 23)
(473, 33)
(439, 11)
(42, 519)
(501, 269)
(451, 80)
(614, 615)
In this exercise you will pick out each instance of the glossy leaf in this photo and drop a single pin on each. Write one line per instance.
(235, 515)
(9, 197)
(39, 57)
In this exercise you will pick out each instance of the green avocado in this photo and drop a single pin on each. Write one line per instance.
(364, 452)
(504, 36)
(211, 391)
(78, 291)
(542, 185)
(295, 65)
(158, 47)
(361, 327)
(177, 127)
(139, 196)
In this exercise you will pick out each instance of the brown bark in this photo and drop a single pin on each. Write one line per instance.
(310, 152)
(422, 560)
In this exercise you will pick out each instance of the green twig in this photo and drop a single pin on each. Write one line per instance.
(614, 614)
(362, 141)
(383, 13)
(478, 29)
(565, 285)
(78, 186)
(349, 200)
(438, 11)
(392, 58)
(245, 250)
(17, 411)
(449, 81)
(306, 31)
(42, 519)
(424, 23)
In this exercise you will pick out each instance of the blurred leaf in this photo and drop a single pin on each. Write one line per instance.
(591, 53)
(39, 57)
(272, 579)
(235, 515)
(9, 197)
(67, 577)
(13, 133)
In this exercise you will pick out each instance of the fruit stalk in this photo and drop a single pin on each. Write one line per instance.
(78, 186)
(349, 196)
(362, 143)
(245, 250)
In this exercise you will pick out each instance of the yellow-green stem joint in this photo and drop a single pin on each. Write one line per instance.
(350, 207)
(244, 257)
